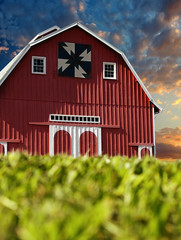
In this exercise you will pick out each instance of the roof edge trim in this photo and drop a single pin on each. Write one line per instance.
(4, 73)
(45, 32)
(32, 43)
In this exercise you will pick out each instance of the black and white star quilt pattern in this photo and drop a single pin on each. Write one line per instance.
(74, 60)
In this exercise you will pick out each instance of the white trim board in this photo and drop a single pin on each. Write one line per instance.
(7, 70)
(140, 148)
(45, 32)
(75, 133)
(5, 146)
(33, 65)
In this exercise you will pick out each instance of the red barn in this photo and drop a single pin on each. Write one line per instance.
(70, 91)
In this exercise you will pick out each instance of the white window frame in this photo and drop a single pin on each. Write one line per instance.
(74, 118)
(109, 63)
(44, 64)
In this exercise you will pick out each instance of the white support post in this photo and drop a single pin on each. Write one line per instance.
(154, 131)
(74, 136)
(139, 152)
(99, 142)
(151, 152)
(78, 133)
(5, 146)
(51, 140)
(71, 134)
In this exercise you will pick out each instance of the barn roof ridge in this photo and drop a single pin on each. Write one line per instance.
(53, 31)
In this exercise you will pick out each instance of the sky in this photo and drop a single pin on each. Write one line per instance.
(147, 31)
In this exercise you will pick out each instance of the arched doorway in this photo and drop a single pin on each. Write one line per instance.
(144, 150)
(73, 142)
(62, 142)
(1, 149)
(88, 143)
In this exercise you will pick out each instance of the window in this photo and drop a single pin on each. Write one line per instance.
(74, 118)
(109, 70)
(39, 65)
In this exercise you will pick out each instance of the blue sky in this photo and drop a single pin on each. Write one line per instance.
(148, 32)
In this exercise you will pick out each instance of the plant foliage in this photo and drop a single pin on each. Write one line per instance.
(89, 198)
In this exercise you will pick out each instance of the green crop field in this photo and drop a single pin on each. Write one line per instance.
(89, 198)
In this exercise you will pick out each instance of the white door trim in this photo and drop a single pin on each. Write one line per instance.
(5, 145)
(75, 133)
(140, 148)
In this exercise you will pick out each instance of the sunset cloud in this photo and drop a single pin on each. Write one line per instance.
(117, 38)
(169, 136)
(158, 101)
(177, 102)
(168, 143)
(167, 43)
(81, 7)
(172, 9)
(161, 73)
(165, 150)
(13, 54)
(174, 117)
(5, 49)
(178, 93)
(102, 34)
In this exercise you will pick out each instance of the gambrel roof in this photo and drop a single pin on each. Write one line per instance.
(53, 31)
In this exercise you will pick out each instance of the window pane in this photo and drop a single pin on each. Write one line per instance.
(109, 70)
(38, 65)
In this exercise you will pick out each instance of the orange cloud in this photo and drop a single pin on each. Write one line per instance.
(72, 5)
(168, 143)
(178, 93)
(158, 101)
(117, 38)
(102, 34)
(5, 49)
(144, 79)
(81, 7)
(169, 136)
(178, 83)
(168, 151)
(175, 117)
(172, 9)
(13, 54)
(174, 22)
(177, 102)
(162, 77)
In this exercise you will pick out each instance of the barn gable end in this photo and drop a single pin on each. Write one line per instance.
(123, 105)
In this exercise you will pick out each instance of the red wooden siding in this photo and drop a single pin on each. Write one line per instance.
(1, 149)
(144, 152)
(88, 143)
(62, 143)
(125, 110)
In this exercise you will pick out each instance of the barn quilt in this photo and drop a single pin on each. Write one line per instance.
(74, 60)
